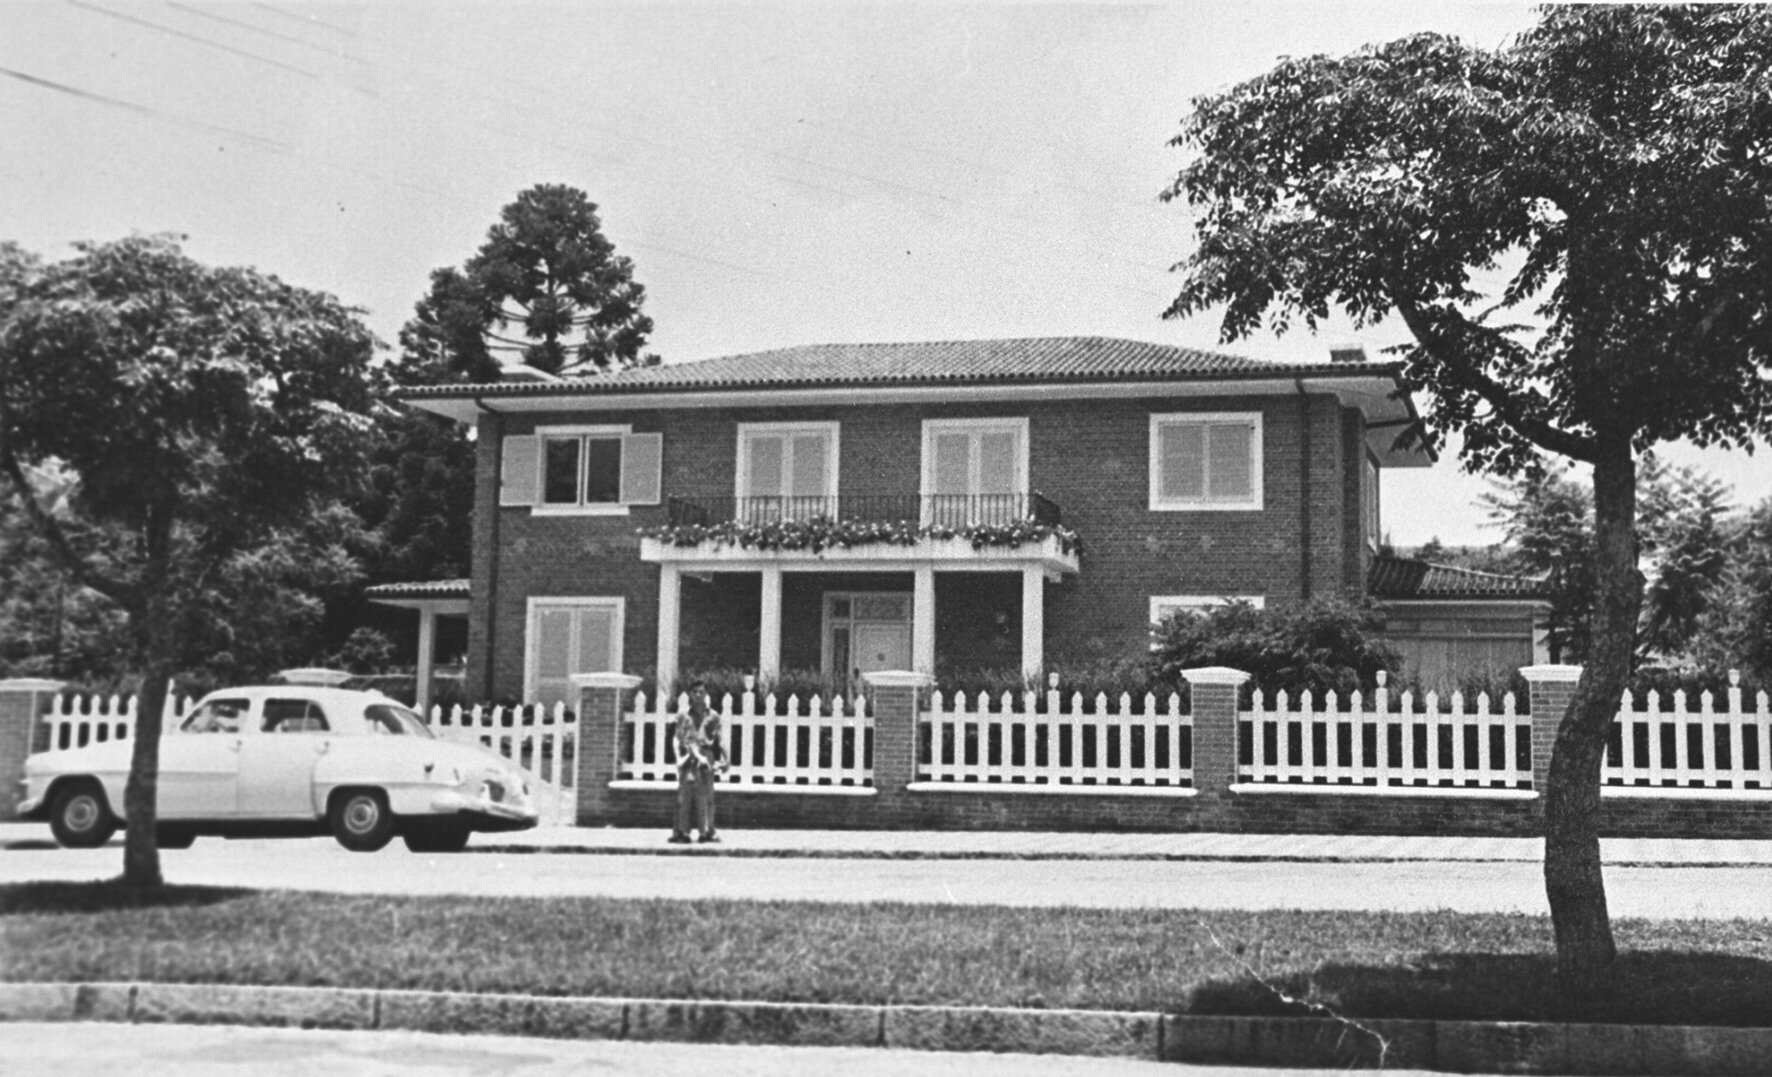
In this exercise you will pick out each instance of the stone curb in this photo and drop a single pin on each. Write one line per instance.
(1449, 1046)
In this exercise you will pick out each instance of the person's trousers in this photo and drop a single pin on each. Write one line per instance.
(695, 801)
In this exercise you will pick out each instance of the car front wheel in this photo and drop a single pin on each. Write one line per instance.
(438, 838)
(81, 819)
(361, 820)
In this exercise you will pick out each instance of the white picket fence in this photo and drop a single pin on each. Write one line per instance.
(541, 740)
(1038, 743)
(772, 745)
(1374, 748)
(1660, 748)
(75, 720)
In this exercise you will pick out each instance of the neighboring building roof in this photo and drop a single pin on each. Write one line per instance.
(419, 589)
(963, 362)
(1397, 578)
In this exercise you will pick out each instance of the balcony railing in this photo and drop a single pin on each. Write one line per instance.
(940, 510)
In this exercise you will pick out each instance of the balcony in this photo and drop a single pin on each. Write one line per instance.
(1017, 532)
(929, 510)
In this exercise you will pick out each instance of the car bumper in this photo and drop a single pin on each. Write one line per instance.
(33, 808)
(482, 814)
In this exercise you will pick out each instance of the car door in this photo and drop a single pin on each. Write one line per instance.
(200, 761)
(277, 759)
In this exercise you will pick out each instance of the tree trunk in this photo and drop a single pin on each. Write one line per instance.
(1573, 879)
(152, 624)
(141, 856)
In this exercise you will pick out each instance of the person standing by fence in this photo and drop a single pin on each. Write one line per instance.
(700, 757)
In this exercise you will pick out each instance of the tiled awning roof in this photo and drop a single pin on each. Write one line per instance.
(926, 363)
(419, 589)
(1398, 578)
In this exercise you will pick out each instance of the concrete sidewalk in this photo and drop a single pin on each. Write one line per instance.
(1046, 845)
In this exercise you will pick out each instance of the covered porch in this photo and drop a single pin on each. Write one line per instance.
(432, 599)
(844, 611)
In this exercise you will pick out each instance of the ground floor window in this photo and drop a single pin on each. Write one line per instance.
(567, 636)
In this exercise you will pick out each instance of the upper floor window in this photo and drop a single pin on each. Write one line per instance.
(582, 469)
(787, 469)
(975, 470)
(1205, 461)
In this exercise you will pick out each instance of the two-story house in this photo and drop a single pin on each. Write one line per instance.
(843, 508)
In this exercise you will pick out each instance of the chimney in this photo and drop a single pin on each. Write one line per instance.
(1347, 353)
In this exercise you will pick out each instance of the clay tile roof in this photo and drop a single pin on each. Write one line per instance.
(1037, 359)
(419, 589)
(1409, 578)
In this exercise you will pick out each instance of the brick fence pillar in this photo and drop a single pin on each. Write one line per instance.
(22, 703)
(602, 699)
(1552, 688)
(897, 702)
(1213, 691)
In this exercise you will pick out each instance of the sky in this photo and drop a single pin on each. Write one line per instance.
(779, 173)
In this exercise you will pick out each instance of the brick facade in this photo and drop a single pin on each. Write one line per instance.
(1089, 456)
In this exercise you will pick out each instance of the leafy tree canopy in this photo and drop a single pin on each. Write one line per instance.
(208, 414)
(1613, 167)
(546, 289)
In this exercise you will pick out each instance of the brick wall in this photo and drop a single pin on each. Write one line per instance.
(1091, 457)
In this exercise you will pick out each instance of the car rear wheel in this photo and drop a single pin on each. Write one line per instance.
(81, 819)
(437, 838)
(361, 820)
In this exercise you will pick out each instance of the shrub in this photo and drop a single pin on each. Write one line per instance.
(1326, 645)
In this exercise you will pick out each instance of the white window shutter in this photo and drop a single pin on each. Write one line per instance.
(520, 474)
(642, 461)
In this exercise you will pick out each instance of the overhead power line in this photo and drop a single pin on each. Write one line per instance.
(144, 110)
(206, 42)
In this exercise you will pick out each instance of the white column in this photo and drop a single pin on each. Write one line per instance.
(923, 619)
(670, 606)
(1033, 621)
(769, 628)
(427, 646)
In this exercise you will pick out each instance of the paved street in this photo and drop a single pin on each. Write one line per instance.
(200, 1051)
(1732, 886)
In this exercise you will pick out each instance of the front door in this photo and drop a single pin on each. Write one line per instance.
(866, 631)
(882, 646)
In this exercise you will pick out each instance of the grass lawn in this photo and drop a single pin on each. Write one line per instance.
(1437, 965)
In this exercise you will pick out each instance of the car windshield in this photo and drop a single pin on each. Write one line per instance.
(393, 718)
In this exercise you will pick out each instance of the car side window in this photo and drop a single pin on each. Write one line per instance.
(217, 716)
(293, 716)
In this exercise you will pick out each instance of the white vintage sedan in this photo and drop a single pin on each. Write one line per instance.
(289, 760)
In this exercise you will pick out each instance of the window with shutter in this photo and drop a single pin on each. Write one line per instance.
(568, 636)
(587, 470)
(1205, 461)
